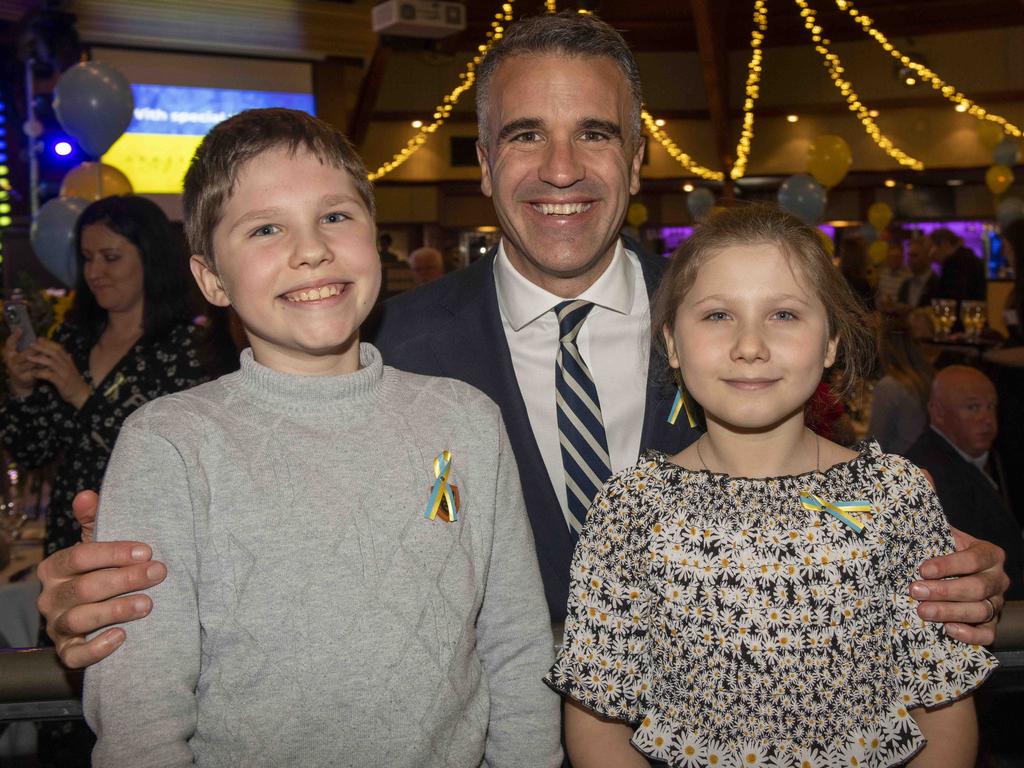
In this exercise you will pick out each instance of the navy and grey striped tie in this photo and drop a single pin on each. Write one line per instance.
(580, 426)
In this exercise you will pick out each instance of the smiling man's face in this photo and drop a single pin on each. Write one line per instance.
(560, 164)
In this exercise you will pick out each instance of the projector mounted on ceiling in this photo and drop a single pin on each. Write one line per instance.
(419, 18)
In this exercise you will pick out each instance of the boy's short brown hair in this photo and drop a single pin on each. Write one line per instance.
(232, 143)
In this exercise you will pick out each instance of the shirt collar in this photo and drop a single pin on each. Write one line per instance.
(521, 302)
(979, 461)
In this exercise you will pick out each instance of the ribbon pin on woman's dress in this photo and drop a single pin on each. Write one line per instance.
(840, 509)
(444, 497)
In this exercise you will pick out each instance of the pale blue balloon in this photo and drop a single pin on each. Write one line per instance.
(53, 237)
(700, 202)
(803, 197)
(94, 103)
(1007, 152)
(867, 232)
(1009, 210)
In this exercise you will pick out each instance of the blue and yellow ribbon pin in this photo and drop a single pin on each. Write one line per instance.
(841, 510)
(444, 496)
(680, 404)
(111, 392)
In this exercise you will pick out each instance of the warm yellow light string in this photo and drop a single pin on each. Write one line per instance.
(675, 152)
(753, 89)
(835, 71)
(963, 103)
(444, 109)
(550, 6)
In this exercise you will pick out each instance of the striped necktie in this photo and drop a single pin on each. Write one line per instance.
(580, 427)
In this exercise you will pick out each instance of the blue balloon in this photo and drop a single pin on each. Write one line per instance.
(53, 237)
(1006, 152)
(803, 197)
(1009, 210)
(700, 202)
(94, 103)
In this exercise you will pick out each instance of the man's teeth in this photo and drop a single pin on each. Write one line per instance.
(561, 209)
(314, 294)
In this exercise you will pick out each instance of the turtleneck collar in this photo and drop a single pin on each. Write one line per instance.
(291, 393)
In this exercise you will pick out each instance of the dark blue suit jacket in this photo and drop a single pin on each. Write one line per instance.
(452, 327)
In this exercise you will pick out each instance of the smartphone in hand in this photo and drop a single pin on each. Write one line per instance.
(16, 315)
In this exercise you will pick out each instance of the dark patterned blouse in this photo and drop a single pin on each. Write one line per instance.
(732, 626)
(44, 427)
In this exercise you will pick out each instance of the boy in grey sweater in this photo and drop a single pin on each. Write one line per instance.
(422, 636)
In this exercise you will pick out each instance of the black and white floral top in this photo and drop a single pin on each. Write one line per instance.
(734, 627)
(44, 427)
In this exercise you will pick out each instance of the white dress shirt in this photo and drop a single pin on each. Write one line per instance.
(614, 342)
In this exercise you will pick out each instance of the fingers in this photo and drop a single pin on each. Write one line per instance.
(84, 506)
(78, 653)
(973, 634)
(74, 625)
(976, 557)
(82, 558)
(956, 612)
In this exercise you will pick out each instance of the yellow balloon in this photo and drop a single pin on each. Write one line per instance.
(636, 214)
(89, 183)
(989, 133)
(829, 160)
(879, 216)
(877, 252)
(998, 178)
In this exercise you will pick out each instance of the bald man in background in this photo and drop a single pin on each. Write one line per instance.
(427, 265)
(956, 450)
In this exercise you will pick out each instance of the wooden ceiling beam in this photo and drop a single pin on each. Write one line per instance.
(369, 89)
(709, 22)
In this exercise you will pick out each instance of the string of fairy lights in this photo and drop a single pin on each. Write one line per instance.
(752, 89)
(444, 109)
(835, 71)
(833, 65)
(963, 104)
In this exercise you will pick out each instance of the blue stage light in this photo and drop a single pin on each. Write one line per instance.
(62, 148)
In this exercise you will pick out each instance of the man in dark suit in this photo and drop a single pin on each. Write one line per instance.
(956, 451)
(558, 104)
(920, 288)
(560, 149)
(963, 273)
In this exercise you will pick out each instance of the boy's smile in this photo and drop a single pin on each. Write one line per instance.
(295, 254)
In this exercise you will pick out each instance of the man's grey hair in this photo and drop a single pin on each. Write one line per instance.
(563, 34)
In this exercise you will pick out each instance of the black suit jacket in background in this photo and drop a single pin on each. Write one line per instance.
(971, 502)
(452, 327)
(963, 277)
(925, 300)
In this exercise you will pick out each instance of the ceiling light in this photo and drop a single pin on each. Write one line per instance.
(955, 182)
(687, 187)
(792, 118)
(417, 123)
(660, 123)
(890, 183)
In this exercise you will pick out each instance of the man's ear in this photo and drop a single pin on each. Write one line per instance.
(634, 170)
(670, 346)
(208, 281)
(485, 168)
(830, 351)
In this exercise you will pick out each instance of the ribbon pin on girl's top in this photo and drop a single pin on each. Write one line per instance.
(444, 496)
(680, 404)
(111, 392)
(841, 510)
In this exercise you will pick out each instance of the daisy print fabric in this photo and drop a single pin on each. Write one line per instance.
(734, 627)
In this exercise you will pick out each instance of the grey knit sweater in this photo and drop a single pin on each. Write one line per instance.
(312, 615)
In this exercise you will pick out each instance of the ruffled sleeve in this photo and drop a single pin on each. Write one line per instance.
(603, 663)
(933, 668)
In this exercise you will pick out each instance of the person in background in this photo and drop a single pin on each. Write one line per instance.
(968, 476)
(1013, 312)
(890, 278)
(427, 265)
(920, 286)
(963, 273)
(127, 339)
(853, 264)
(899, 405)
(387, 256)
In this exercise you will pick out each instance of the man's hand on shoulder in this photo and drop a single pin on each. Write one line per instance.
(86, 587)
(964, 589)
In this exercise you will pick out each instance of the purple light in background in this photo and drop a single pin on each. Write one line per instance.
(62, 148)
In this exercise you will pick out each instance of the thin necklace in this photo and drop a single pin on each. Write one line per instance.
(817, 451)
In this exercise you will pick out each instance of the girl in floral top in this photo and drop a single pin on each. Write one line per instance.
(743, 603)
